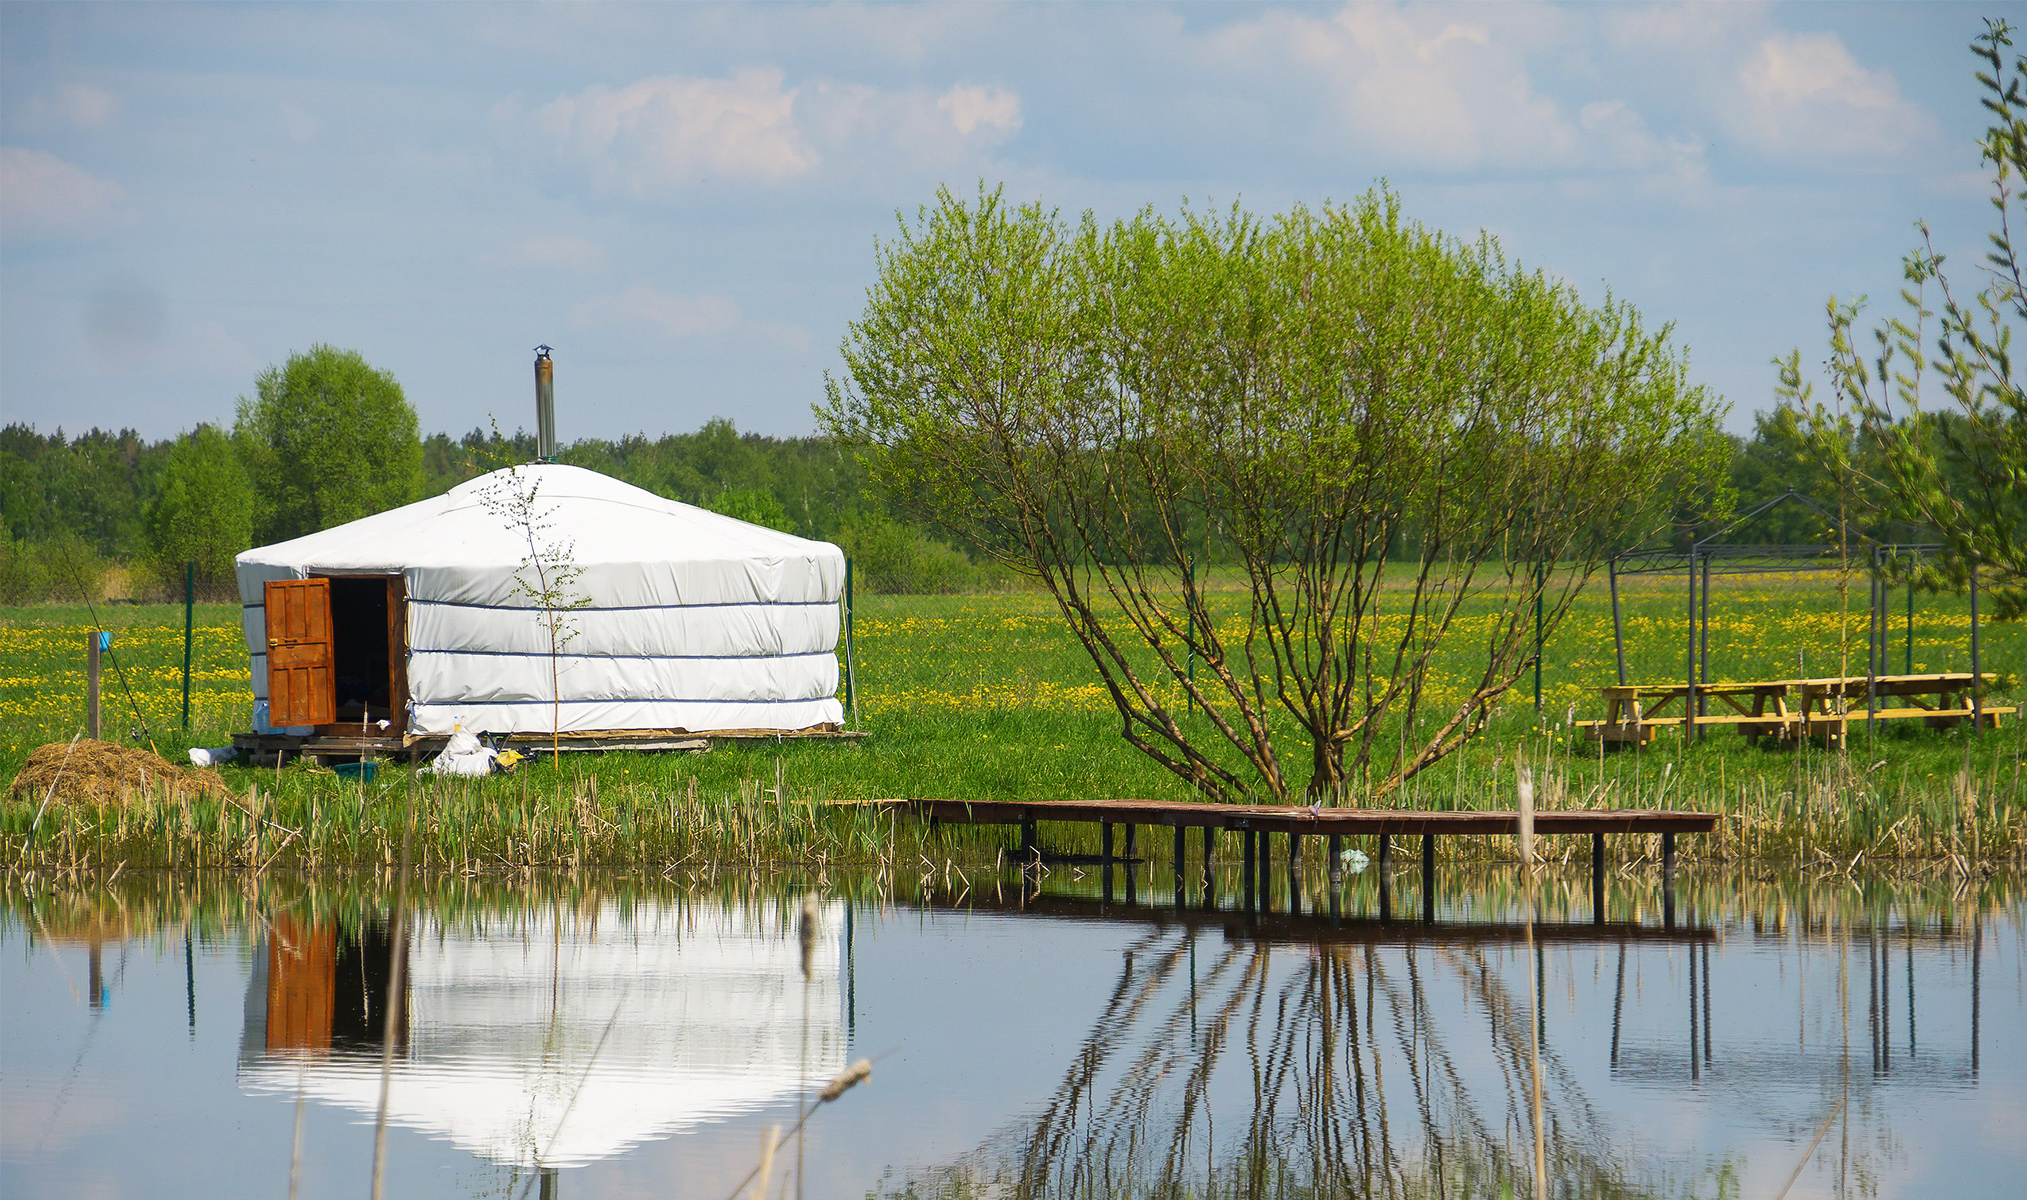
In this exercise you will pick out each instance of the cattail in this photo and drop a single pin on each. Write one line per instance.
(809, 920)
(848, 1079)
(1526, 815)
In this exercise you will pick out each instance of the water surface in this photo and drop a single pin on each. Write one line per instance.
(594, 1037)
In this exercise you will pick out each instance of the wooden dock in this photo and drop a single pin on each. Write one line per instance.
(1331, 927)
(1255, 822)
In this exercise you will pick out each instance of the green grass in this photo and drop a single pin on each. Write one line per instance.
(986, 696)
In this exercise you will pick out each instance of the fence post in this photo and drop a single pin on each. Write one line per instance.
(1618, 624)
(851, 675)
(93, 643)
(1189, 604)
(1910, 616)
(1977, 673)
(1540, 582)
(189, 605)
(1689, 696)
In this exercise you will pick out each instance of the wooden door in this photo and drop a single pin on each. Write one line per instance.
(300, 687)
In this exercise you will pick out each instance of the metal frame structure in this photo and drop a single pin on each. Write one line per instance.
(1714, 555)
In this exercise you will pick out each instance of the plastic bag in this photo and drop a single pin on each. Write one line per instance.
(463, 755)
(200, 757)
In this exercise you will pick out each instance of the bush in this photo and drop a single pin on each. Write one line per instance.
(889, 557)
(50, 571)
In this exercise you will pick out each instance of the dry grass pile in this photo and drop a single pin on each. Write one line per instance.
(102, 774)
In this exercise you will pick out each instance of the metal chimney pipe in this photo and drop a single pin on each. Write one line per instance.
(545, 405)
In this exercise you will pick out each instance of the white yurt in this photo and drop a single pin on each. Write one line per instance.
(660, 616)
(555, 1039)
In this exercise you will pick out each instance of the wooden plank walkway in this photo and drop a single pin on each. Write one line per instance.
(1301, 819)
(1255, 822)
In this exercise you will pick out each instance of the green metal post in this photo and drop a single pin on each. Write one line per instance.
(189, 605)
(851, 675)
(1540, 582)
(1189, 604)
(1910, 624)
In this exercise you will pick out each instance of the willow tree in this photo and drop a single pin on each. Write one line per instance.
(1387, 430)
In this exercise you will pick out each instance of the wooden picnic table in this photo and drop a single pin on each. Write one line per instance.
(1633, 712)
(1828, 706)
(1791, 708)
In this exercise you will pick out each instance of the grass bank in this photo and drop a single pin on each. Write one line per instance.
(986, 696)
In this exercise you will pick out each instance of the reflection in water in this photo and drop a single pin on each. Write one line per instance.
(551, 1037)
(1055, 1042)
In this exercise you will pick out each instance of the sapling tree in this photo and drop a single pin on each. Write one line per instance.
(1928, 424)
(547, 577)
(1386, 431)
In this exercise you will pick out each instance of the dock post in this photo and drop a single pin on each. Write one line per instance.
(1029, 852)
(1386, 853)
(1210, 875)
(1105, 845)
(1668, 879)
(1333, 849)
(1294, 873)
(1246, 866)
(1597, 878)
(1179, 856)
(1386, 897)
(1132, 843)
(1265, 876)
(1428, 877)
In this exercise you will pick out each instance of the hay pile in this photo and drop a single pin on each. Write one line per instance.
(100, 774)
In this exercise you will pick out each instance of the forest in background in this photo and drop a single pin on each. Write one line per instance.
(113, 514)
(105, 513)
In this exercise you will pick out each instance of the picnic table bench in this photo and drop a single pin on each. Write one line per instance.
(1790, 708)
(1829, 706)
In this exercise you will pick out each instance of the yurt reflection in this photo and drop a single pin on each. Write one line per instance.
(554, 1036)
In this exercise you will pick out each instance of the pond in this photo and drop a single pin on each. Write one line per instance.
(581, 1036)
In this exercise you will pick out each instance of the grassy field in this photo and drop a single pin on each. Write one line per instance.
(986, 695)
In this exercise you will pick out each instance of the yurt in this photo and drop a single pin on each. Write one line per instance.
(546, 1040)
(544, 598)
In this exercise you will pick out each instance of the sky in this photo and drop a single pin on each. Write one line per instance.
(685, 200)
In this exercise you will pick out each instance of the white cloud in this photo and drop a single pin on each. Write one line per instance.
(72, 106)
(566, 252)
(663, 135)
(1433, 87)
(677, 316)
(1803, 95)
(297, 123)
(41, 193)
(971, 107)
(672, 131)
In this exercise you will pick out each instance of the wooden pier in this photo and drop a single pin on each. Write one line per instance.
(1255, 822)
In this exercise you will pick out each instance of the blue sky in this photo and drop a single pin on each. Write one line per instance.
(683, 200)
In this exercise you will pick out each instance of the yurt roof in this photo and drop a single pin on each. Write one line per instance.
(603, 521)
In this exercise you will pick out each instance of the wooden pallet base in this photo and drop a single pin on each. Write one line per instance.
(267, 749)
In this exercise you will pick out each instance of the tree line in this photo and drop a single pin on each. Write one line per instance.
(83, 513)
(326, 438)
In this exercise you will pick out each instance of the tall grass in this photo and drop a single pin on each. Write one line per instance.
(986, 697)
